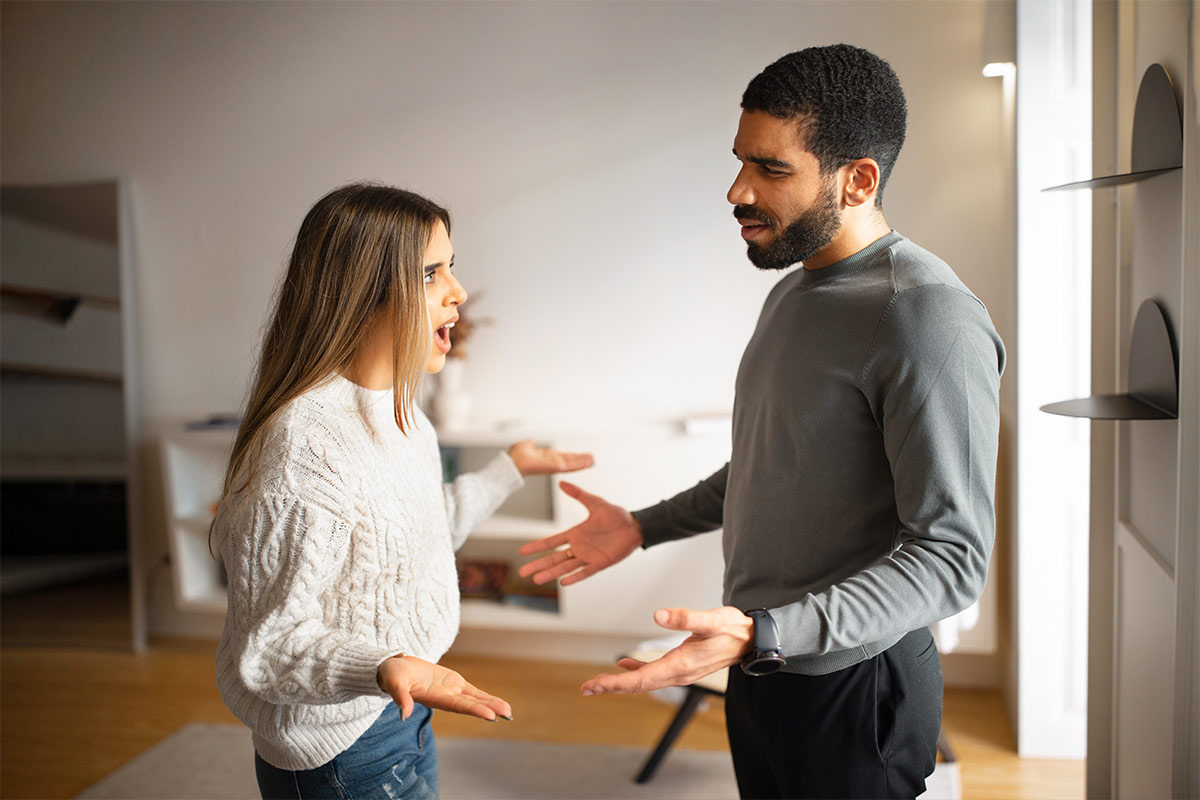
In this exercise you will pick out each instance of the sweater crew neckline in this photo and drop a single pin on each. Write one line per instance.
(851, 263)
(342, 388)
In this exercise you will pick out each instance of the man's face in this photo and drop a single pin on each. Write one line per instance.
(787, 209)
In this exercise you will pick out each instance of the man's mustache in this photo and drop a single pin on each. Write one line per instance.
(753, 213)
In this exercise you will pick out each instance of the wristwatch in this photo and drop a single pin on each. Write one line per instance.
(764, 657)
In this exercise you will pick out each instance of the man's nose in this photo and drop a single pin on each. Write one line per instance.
(740, 193)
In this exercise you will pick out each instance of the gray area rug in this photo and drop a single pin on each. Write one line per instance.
(215, 762)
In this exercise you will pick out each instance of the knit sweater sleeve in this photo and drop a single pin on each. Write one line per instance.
(932, 381)
(474, 496)
(285, 558)
(693, 511)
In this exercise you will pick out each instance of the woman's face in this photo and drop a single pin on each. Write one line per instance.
(443, 293)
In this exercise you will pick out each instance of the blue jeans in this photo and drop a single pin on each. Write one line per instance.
(394, 759)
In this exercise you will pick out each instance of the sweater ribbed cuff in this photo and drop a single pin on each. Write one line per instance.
(357, 668)
(501, 475)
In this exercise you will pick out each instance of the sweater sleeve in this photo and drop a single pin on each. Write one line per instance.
(290, 553)
(475, 496)
(693, 511)
(932, 381)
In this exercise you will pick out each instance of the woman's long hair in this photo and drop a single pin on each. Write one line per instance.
(359, 252)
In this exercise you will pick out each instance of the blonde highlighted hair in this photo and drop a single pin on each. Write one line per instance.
(359, 252)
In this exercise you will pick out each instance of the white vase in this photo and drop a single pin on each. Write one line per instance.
(452, 405)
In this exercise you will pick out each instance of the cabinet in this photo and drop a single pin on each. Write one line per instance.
(636, 465)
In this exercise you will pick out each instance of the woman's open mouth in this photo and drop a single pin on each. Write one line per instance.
(441, 338)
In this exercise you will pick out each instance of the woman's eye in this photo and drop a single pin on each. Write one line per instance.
(429, 276)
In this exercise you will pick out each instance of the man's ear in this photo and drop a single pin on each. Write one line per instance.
(860, 182)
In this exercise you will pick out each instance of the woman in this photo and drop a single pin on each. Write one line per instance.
(335, 528)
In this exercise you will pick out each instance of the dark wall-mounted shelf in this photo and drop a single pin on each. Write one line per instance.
(1157, 135)
(1153, 376)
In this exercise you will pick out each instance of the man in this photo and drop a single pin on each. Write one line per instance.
(857, 503)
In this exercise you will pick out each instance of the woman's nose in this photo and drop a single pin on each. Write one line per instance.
(457, 293)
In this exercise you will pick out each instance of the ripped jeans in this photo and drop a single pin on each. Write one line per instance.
(393, 759)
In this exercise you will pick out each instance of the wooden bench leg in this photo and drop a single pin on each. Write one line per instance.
(686, 709)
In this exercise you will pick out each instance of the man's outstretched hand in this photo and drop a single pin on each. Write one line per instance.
(608, 535)
(720, 637)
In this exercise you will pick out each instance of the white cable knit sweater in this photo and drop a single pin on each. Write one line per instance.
(340, 554)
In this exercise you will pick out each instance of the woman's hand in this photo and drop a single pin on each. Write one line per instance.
(409, 679)
(533, 460)
(609, 534)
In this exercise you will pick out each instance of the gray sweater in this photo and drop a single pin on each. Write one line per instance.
(857, 504)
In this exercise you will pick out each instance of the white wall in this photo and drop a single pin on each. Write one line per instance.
(583, 148)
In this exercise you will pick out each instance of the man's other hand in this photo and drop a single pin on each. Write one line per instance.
(720, 638)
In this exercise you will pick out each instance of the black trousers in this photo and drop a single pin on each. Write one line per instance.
(868, 731)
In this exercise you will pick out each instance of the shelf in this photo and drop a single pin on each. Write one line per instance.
(22, 573)
(60, 373)
(42, 293)
(41, 469)
(1153, 376)
(1157, 135)
(1111, 180)
(87, 345)
(1108, 406)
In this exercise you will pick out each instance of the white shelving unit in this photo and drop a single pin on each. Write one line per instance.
(70, 420)
(193, 466)
(636, 465)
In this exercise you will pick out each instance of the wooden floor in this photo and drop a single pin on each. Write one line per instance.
(75, 710)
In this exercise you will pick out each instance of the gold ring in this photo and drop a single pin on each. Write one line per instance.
(568, 554)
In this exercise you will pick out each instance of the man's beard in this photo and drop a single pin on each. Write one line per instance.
(801, 239)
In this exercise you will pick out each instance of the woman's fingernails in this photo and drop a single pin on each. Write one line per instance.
(509, 719)
(587, 693)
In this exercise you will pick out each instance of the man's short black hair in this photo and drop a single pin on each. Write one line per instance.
(848, 101)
